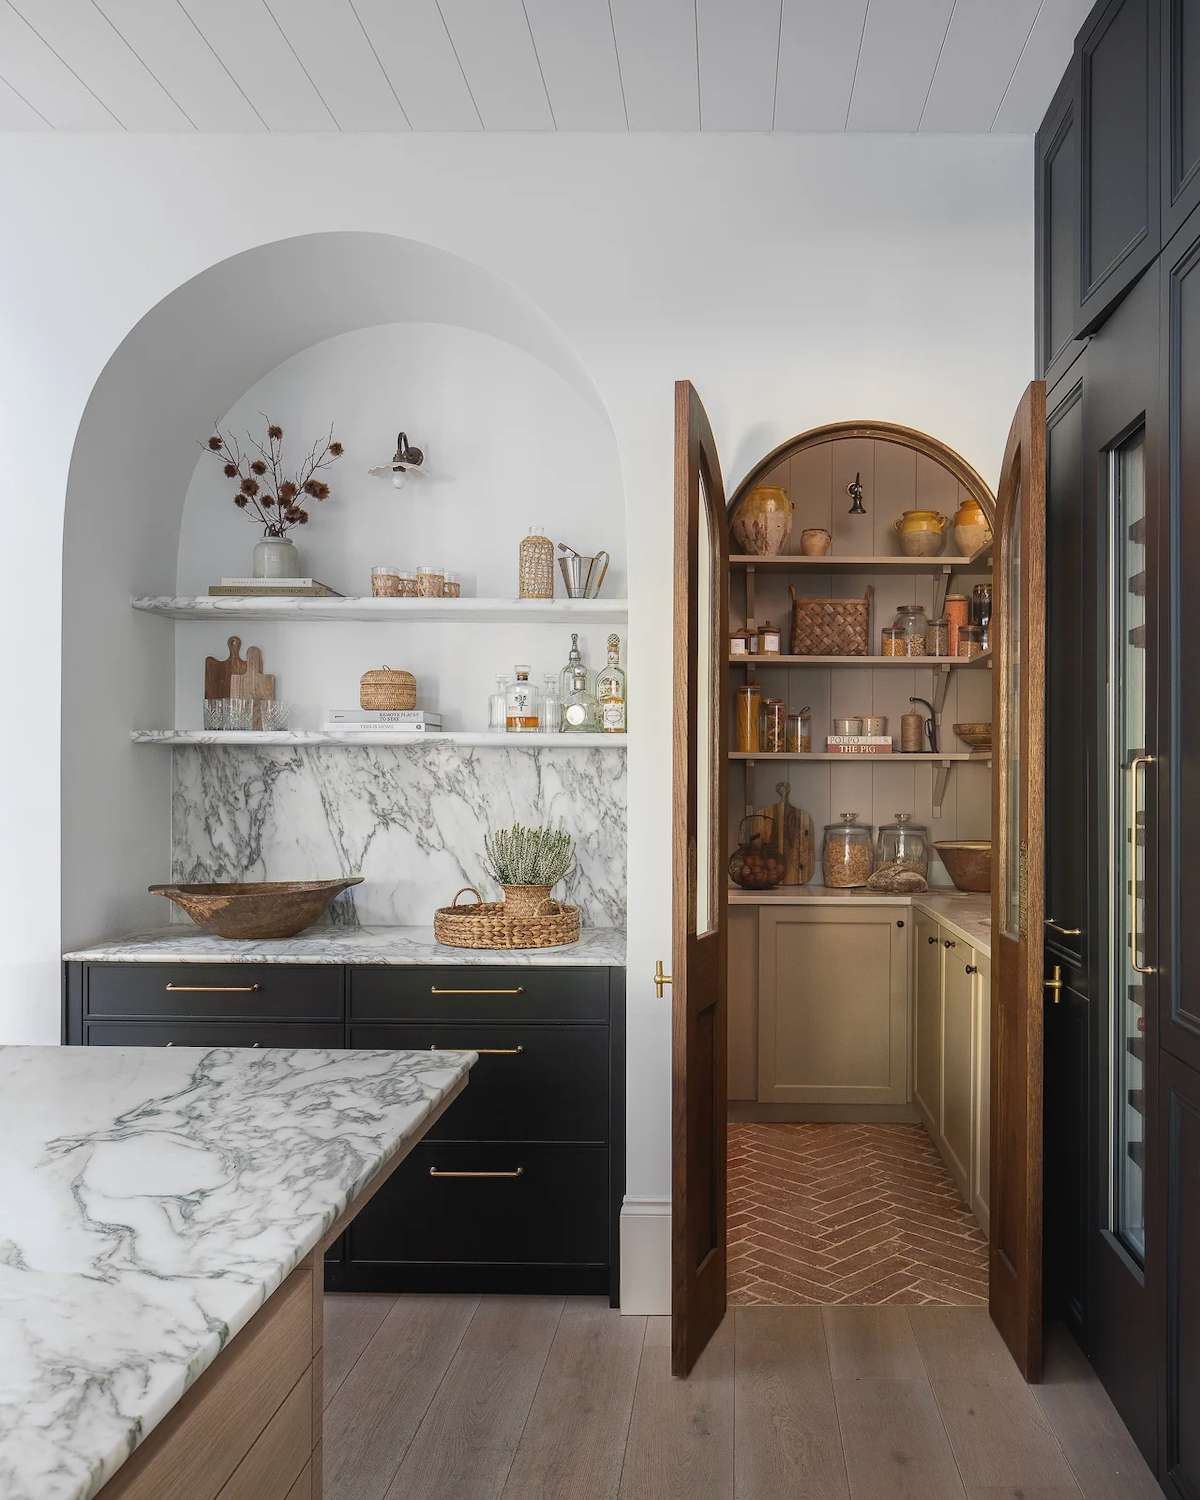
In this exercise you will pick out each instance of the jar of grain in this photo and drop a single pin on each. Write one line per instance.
(772, 734)
(429, 582)
(891, 641)
(939, 637)
(748, 707)
(799, 733)
(385, 582)
(956, 614)
(912, 622)
(847, 855)
(970, 641)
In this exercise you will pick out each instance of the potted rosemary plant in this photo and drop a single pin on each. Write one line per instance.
(526, 863)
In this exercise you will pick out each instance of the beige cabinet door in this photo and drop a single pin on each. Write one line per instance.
(927, 1070)
(833, 1005)
(981, 1147)
(742, 1002)
(958, 1061)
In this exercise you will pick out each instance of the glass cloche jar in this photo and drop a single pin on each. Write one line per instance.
(847, 855)
(901, 856)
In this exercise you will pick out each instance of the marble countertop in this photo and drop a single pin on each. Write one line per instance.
(153, 1200)
(598, 947)
(967, 915)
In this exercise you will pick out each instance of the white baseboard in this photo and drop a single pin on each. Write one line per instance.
(646, 1255)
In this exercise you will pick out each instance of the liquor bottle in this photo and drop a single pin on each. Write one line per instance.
(580, 714)
(521, 708)
(566, 677)
(610, 692)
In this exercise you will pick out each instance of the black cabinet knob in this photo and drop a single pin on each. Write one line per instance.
(899, 924)
(971, 968)
(932, 941)
(950, 943)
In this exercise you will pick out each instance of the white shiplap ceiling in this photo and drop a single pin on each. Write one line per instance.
(609, 65)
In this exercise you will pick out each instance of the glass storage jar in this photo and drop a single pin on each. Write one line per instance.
(970, 640)
(769, 639)
(891, 641)
(742, 642)
(939, 637)
(912, 620)
(748, 708)
(905, 843)
(772, 733)
(847, 856)
(956, 611)
(981, 611)
(799, 732)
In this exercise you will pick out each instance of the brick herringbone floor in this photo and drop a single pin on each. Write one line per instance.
(856, 1214)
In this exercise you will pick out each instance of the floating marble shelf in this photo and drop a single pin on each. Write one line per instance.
(460, 611)
(219, 737)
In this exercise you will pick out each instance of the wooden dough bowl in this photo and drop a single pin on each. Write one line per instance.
(255, 909)
(968, 863)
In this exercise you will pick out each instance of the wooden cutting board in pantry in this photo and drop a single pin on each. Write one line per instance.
(791, 832)
(254, 683)
(219, 674)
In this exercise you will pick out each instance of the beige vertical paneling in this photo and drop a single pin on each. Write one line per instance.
(849, 694)
(893, 790)
(850, 789)
(853, 536)
(937, 489)
(896, 491)
(809, 486)
(742, 1002)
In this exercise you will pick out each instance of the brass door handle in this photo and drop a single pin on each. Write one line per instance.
(660, 979)
(1063, 931)
(1134, 765)
(213, 989)
(437, 990)
(438, 1172)
(482, 1051)
(1055, 983)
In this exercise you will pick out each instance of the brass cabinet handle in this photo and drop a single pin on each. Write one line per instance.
(1055, 983)
(1134, 766)
(437, 990)
(213, 989)
(660, 979)
(438, 1172)
(1063, 931)
(482, 1051)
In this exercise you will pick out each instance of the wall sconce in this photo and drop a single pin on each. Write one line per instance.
(855, 491)
(405, 461)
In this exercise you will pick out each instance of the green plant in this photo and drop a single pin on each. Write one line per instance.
(528, 856)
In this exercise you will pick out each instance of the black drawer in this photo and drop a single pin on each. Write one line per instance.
(531, 1083)
(211, 1034)
(467, 993)
(303, 992)
(556, 1212)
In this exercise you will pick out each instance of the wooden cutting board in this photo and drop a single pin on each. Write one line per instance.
(254, 683)
(218, 675)
(791, 831)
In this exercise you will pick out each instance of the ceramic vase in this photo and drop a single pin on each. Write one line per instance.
(276, 557)
(762, 522)
(971, 529)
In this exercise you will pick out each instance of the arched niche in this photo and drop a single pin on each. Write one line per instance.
(185, 363)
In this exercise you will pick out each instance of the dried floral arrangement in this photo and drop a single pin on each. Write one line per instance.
(268, 495)
(528, 856)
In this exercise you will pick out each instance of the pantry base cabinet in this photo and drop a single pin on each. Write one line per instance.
(833, 1005)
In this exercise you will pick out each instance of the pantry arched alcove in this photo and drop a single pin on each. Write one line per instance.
(189, 361)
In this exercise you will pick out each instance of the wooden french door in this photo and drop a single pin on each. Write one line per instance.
(1018, 713)
(699, 892)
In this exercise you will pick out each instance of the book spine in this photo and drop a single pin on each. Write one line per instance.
(382, 716)
(858, 739)
(270, 583)
(381, 728)
(858, 749)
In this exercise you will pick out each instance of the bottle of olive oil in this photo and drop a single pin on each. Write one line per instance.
(610, 692)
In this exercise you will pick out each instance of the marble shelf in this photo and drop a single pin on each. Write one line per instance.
(383, 611)
(482, 738)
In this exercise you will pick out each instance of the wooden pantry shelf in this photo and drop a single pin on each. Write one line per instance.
(941, 663)
(223, 739)
(381, 611)
(832, 563)
(925, 757)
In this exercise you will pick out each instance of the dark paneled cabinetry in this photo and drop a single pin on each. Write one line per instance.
(518, 1186)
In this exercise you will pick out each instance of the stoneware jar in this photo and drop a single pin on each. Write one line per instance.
(971, 529)
(276, 557)
(815, 541)
(922, 533)
(762, 522)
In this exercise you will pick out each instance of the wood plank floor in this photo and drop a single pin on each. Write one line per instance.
(528, 1398)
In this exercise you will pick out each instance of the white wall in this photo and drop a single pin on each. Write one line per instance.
(794, 280)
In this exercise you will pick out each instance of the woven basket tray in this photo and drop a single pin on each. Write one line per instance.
(491, 924)
(831, 627)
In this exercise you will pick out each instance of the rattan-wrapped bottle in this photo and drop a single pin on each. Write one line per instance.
(537, 566)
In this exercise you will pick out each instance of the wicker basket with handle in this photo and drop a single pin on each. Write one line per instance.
(491, 924)
(831, 627)
(387, 688)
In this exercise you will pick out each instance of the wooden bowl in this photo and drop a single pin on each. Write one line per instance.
(256, 908)
(968, 863)
(976, 733)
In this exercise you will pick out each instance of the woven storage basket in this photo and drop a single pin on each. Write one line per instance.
(831, 627)
(387, 688)
(491, 924)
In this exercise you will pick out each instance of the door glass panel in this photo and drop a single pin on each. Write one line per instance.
(1013, 772)
(1127, 914)
(704, 729)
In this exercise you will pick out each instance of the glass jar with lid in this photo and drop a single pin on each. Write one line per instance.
(770, 639)
(799, 732)
(981, 611)
(903, 843)
(772, 733)
(970, 640)
(847, 854)
(748, 708)
(939, 637)
(912, 620)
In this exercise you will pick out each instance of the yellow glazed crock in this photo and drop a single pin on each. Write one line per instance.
(971, 527)
(762, 522)
(922, 520)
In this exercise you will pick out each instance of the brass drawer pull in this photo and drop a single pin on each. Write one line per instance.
(213, 989)
(436, 990)
(482, 1051)
(438, 1172)
(1063, 931)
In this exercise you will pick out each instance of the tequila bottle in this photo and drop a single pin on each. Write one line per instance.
(566, 677)
(579, 711)
(610, 692)
(521, 707)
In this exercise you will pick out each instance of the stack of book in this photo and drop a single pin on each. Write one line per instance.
(272, 588)
(372, 720)
(859, 744)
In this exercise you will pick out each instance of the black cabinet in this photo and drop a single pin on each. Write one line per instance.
(518, 1186)
(1180, 75)
(1056, 242)
(1181, 1213)
(1118, 58)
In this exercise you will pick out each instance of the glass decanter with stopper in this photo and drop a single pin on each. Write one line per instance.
(521, 707)
(580, 712)
(610, 692)
(566, 677)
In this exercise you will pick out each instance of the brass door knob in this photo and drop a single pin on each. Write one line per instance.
(1055, 983)
(660, 979)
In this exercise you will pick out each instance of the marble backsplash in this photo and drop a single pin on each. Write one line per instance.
(410, 820)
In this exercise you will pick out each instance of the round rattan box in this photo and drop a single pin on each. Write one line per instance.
(387, 688)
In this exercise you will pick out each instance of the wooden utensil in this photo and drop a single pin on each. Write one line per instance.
(219, 674)
(254, 683)
(791, 831)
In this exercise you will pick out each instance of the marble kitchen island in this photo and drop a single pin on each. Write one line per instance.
(165, 1214)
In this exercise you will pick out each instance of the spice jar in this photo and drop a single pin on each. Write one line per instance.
(429, 582)
(748, 705)
(939, 637)
(742, 642)
(408, 585)
(772, 733)
(756, 864)
(957, 615)
(891, 641)
(912, 621)
(769, 637)
(970, 641)
(981, 611)
(385, 583)
(799, 732)
(451, 587)
(847, 858)
(903, 842)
